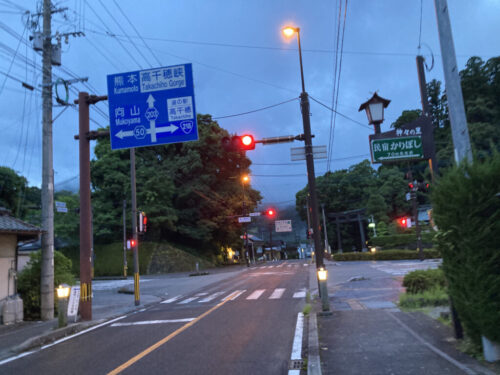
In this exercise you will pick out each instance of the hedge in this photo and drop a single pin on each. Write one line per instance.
(424, 280)
(396, 241)
(467, 212)
(386, 255)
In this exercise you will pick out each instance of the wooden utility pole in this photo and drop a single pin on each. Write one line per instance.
(456, 109)
(47, 269)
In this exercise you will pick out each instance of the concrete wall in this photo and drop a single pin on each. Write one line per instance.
(8, 243)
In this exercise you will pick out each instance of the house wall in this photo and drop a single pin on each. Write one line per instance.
(8, 243)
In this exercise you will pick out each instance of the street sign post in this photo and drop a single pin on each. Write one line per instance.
(299, 153)
(245, 219)
(152, 107)
(283, 225)
(401, 148)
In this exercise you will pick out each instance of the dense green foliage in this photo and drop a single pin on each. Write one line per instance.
(386, 255)
(22, 200)
(422, 280)
(29, 282)
(467, 212)
(190, 191)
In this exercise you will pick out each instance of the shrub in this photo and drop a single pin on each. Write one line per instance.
(403, 240)
(423, 280)
(386, 255)
(467, 212)
(29, 282)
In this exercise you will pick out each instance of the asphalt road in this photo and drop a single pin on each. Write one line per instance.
(244, 324)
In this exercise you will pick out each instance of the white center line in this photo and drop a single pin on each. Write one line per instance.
(278, 292)
(256, 294)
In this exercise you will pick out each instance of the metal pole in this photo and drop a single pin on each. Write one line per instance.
(311, 178)
(47, 268)
(137, 292)
(85, 218)
(339, 239)
(456, 109)
(414, 202)
(327, 248)
(362, 233)
(124, 238)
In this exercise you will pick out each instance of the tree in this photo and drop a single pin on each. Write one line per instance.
(15, 195)
(67, 224)
(190, 191)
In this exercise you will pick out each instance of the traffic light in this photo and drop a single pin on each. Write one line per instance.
(270, 213)
(404, 222)
(143, 222)
(238, 143)
(411, 185)
(131, 244)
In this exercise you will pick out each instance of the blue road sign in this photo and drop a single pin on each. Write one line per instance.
(152, 107)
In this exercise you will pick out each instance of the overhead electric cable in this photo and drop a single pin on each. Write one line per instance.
(255, 110)
(340, 114)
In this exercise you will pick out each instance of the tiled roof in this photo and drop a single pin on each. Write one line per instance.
(9, 224)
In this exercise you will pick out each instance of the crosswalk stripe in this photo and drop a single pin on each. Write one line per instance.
(187, 300)
(270, 267)
(210, 297)
(172, 299)
(278, 292)
(256, 294)
(301, 294)
(289, 265)
(305, 264)
(236, 294)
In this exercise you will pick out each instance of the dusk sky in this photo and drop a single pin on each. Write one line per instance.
(241, 63)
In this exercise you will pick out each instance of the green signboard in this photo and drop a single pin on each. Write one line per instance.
(393, 149)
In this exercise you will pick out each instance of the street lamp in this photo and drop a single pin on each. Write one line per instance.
(62, 296)
(374, 108)
(289, 32)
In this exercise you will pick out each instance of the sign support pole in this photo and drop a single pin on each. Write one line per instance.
(137, 293)
(124, 238)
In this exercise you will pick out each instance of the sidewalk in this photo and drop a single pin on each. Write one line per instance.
(107, 304)
(365, 336)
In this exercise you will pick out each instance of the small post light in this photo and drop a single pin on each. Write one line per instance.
(373, 249)
(62, 296)
(322, 274)
(374, 108)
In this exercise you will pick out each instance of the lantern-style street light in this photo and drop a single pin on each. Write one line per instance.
(62, 296)
(374, 108)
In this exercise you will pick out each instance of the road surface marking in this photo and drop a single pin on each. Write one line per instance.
(432, 347)
(153, 347)
(187, 300)
(297, 339)
(146, 322)
(256, 294)
(301, 294)
(172, 299)
(278, 292)
(236, 294)
(270, 267)
(306, 264)
(355, 305)
(211, 297)
(289, 265)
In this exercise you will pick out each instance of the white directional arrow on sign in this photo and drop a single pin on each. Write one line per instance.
(152, 122)
(164, 129)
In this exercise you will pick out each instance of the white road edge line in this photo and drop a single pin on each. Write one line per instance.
(7, 360)
(145, 322)
(297, 339)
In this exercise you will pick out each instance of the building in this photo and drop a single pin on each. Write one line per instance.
(12, 231)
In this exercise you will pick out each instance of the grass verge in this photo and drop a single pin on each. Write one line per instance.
(433, 297)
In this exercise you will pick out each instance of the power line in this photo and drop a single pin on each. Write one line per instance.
(255, 110)
(316, 161)
(340, 114)
(137, 32)
(13, 58)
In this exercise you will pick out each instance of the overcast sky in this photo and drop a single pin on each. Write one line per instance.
(241, 63)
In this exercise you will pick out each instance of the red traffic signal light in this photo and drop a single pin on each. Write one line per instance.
(403, 221)
(131, 244)
(410, 185)
(238, 143)
(270, 212)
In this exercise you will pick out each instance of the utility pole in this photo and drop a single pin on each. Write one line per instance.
(47, 269)
(137, 293)
(458, 120)
(324, 228)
